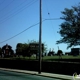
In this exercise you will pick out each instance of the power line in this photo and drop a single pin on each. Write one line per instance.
(20, 32)
(13, 8)
(51, 22)
(6, 5)
(22, 10)
(51, 19)
(17, 12)
(2, 2)
(24, 30)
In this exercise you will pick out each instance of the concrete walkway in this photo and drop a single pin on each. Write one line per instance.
(42, 74)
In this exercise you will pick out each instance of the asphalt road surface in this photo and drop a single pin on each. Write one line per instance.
(7, 75)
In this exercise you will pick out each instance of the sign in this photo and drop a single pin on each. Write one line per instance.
(35, 46)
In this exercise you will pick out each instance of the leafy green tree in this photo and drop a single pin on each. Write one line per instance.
(25, 50)
(45, 48)
(19, 49)
(70, 28)
(59, 53)
(22, 49)
(51, 52)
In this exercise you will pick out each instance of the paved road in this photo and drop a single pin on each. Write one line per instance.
(7, 75)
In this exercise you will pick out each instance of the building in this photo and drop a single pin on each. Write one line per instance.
(7, 50)
(75, 51)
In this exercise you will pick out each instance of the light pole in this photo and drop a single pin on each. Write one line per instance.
(40, 36)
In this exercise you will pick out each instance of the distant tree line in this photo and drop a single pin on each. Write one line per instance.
(22, 49)
(26, 49)
(52, 53)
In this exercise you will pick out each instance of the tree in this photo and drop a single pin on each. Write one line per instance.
(51, 52)
(19, 49)
(45, 48)
(22, 49)
(29, 48)
(70, 28)
(59, 53)
(25, 50)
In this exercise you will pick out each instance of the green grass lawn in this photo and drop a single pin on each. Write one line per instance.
(63, 57)
(45, 58)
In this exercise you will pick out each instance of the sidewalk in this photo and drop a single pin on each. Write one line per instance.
(59, 76)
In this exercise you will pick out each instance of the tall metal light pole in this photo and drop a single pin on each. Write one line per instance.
(40, 36)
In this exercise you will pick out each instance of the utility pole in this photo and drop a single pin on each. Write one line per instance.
(40, 36)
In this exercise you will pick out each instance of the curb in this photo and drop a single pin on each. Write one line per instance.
(57, 76)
